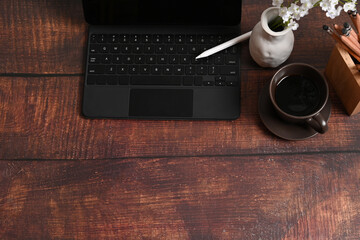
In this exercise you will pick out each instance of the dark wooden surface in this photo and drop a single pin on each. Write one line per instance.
(66, 177)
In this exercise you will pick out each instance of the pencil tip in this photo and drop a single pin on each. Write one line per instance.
(325, 27)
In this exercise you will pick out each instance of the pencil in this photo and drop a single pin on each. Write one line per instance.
(346, 32)
(337, 38)
(225, 45)
(338, 29)
(357, 22)
(352, 15)
(346, 40)
(351, 30)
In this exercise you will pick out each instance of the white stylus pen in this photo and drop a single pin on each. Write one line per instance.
(225, 45)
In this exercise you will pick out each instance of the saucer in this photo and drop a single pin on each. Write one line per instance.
(281, 128)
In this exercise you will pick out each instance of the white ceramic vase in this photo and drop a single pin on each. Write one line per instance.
(269, 48)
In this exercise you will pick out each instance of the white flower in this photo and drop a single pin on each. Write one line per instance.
(325, 5)
(334, 12)
(293, 25)
(294, 11)
(284, 14)
(277, 3)
(349, 6)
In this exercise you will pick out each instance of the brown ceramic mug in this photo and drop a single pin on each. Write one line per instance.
(299, 92)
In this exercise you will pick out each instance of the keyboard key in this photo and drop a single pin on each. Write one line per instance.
(116, 59)
(218, 59)
(115, 49)
(182, 49)
(170, 49)
(189, 70)
(173, 59)
(110, 69)
(228, 70)
(148, 49)
(231, 81)
(179, 70)
(137, 49)
(134, 69)
(179, 38)
(94, 48)
(208, 83)
(212, 39)
(194, 49)
(169, 38)
(134, 38)
(156, 70)
(198, 81)
(160, 49)
(123, 80)
(219, 39)
(106, 59)
(232, 50)
(94, 58)
(101, 80)
(202, 39)
(220, 82)
(146, 38)
(162, 59)
(231, 60)
(157, 38)
(121, 69)
(139, 59)
(124, 38)
(96, 69)
(91, 79)
(128, 59)
(125, 49)
(113, 38)
(191, 39)
(151, 59)
(220, 78)
(145, 69)
(93, 38)
(100, 38)
(111, 80)
(188, 81)
(168, 70)
(213, 70)
(155, 80)
(185, 59)
(104, 48)
(201, 70)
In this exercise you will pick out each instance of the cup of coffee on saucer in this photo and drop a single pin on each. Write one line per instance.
(295, 104)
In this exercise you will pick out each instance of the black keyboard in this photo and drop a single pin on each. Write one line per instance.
(160, 59)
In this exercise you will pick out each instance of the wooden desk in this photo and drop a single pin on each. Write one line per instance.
(66, 177)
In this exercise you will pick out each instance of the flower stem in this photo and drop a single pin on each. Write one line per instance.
(276, 24)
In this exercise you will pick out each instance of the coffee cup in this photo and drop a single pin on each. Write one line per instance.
(298, 93)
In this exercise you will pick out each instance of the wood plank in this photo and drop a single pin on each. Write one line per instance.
(42, 37)
(50, 36)
(254, 197)
(41, 119)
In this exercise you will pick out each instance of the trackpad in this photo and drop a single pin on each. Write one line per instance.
(161, 103)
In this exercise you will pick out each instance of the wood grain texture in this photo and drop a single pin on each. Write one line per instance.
(256, 197)
(63, 176)
(344, 78)
(41, 119)
(44, 37)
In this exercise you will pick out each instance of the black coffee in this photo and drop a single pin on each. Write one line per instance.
(298, 95)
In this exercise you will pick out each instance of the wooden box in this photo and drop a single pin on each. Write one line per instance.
(344, 77)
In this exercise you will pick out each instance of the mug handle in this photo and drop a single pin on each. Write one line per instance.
(318, 123)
